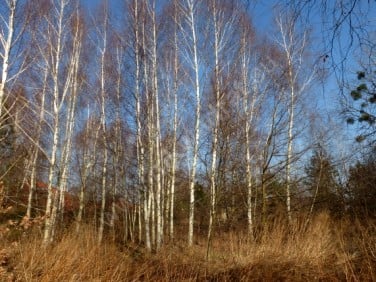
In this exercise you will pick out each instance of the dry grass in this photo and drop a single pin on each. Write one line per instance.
(325, 251)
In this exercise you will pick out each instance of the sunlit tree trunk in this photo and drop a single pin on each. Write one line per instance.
(290, 139)
(56, 52)
(139, 217)
(213, 171)
(189, 11)
(223, 20)
(248, 112)
(71, 119)
(140, 147)
(118, 138)
(6, 44)
(104, 171)
(158, 157)
(13, 25)
(294, 47)
(103, 120)
(149, 193)
(175, 126)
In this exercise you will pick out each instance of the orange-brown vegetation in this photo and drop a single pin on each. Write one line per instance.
(326, 250)
(40, 197)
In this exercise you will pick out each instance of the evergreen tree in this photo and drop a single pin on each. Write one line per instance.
(362, 185)
(321, 181)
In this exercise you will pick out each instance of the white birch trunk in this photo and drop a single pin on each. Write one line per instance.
(50, 220)
(103, 105)
(71, 120)
(149, 194)
(213, 174)
(104, 181)
(192, 180)
(289, 147)
(294, 46)
(7, 47)
(105, 152)
(175, 127)
(247, 138)
(139, 217)
(158, 199)
(118, 140)
(139, 144)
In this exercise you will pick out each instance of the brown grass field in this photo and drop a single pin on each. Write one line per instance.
(328, 250)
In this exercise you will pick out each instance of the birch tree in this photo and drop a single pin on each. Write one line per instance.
(77, 38)
(144, 84)
(294, 45)
(7, 43)
(250, 108)
(189, 10)
(155, 100)
(149, 212)
(13, 60)
(56, 34)
(268, 79)
(102, 37)
(140, 147)
(224, 20)
(217, 98)
(118, 144)
(175, 119)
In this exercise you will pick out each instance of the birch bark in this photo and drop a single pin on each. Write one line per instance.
(189, 11)
(58, 101)
(7, 44)
(103, 120)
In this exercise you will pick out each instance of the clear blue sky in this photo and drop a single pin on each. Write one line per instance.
(328, 93)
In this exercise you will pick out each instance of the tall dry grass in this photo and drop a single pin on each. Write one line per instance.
(326, 250)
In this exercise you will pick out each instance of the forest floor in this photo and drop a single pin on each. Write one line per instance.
(326, 250)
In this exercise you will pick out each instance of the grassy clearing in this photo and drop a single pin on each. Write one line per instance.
(327, 250)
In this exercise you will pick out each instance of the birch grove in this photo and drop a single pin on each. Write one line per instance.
(154, 120)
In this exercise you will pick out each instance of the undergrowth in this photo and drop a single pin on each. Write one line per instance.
(326, 250)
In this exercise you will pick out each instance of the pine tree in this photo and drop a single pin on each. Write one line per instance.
(321, 181)
(361, 185)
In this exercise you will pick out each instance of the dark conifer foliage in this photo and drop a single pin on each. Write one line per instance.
(322, 182)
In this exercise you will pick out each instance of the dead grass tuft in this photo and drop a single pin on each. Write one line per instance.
(325, 250)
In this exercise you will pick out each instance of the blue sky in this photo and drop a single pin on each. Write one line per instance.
(327, 93)
(262, 14)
